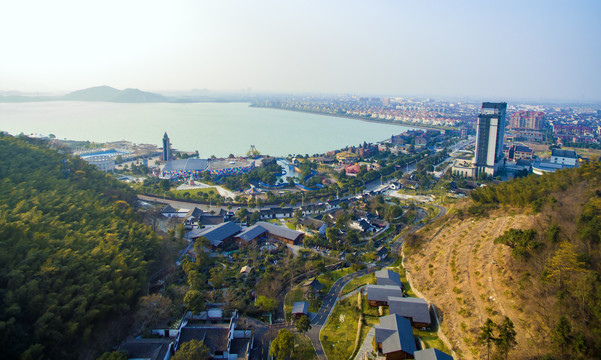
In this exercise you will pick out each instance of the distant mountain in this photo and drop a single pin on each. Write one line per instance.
(98, 93)
(107, 93)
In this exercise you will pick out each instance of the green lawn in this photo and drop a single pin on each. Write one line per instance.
(328, 279)
(303, 349)
(192, 192)
(431, 339)
(357, 282)
(297, 294)
(339, 333)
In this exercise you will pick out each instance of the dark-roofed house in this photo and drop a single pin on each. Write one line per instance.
(224, 341)
(216, 235)
(261, 229)
(192, 218)
(215, 337)
(414, 309)
(377, 295)
(388, 277)
(169, 211)
(314, 284)
(361, 225)
(394, 338)
(564, 157)
(151, 349)
(381, 253)
(300, 308)
(282, 233)
(255, 232)
(315, 224)
(432, 354)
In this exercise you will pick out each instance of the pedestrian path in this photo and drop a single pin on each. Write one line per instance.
(367, 346)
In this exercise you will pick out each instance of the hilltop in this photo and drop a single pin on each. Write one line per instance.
(107, 93)
(543, 275)
(98, 93)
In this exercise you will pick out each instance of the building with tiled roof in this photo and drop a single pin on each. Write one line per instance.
(394, 338)
(415, 310)
(388, 277)
(216, 235)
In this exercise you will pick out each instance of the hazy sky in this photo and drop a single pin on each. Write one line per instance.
(501, 49)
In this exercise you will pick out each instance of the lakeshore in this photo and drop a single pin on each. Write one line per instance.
(216, 129)
(361, 118)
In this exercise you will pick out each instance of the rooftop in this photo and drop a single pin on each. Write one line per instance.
(217, 234)
(415, 308)
(395, 334)
(388, 277)
(382, 292)
(214, 337)
(564, 153)
(432, 354)
(186, 165)
(300, 307)
(280, 231)
(251, 233)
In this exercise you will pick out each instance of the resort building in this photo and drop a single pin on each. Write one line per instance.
(377, 295)
(216, 235)
(263, 230)
(102, 162)
(394, 338)
(415, 310)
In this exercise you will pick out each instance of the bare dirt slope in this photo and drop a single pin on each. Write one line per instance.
(469, 279)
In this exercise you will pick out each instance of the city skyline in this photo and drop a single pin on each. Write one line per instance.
(535, 50)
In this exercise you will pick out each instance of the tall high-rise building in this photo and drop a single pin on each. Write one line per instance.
(166, 148)
(489, 139)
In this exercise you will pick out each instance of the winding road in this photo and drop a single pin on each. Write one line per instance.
(331, 298)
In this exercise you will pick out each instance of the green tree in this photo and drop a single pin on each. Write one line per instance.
(113, 355)
(192, 350)
(242, 214)
(486, 335)
(507, 337)
(194, 301)
(564, 263)
(282, 345)
(266, 304)
(520, 241)
(562, 335)
(36, 352)
(165, 185)
(303, 324)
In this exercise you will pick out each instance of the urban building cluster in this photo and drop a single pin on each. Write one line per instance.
(412, 111)
(492, 155)
(528, 123)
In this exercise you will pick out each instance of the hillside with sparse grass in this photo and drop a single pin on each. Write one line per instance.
(527, 250)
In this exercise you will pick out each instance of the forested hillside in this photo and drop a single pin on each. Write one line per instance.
(72, 251)
(527, 249)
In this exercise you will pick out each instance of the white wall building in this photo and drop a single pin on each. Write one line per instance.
(489, 140)
(102, 162)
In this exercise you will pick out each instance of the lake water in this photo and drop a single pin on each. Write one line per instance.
(211, 128)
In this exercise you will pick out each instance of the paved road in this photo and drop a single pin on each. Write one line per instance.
(330, 299)
(179, 204)
(324, 311)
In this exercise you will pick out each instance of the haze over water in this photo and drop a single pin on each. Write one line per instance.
(211, 128)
